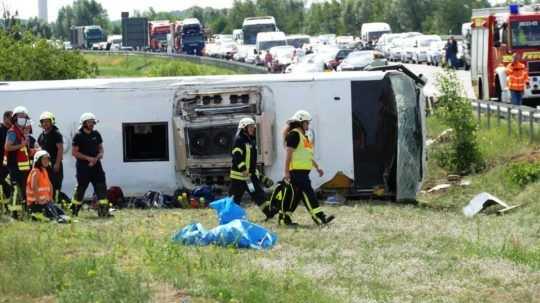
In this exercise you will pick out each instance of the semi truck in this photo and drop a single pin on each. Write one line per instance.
(159, 30)
(135, 32)
(83, 37)
(496, 34)
(192, 37)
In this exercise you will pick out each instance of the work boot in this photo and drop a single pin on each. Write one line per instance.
(324, 219)
(286, 219)
(269, 213)
(103, 211)
(75, 208)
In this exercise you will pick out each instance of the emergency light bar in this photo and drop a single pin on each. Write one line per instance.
(514, 9)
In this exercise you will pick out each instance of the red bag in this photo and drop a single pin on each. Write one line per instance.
(115, 195)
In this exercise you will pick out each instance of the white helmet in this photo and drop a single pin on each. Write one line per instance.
(87, 116)
(47, 115)
(20, 110)
(245, 122)
(39, 154)
(301, 116)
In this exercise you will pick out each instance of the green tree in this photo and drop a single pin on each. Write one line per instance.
(30, 58)
(82, 12)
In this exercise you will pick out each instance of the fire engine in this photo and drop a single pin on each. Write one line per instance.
(496, 34)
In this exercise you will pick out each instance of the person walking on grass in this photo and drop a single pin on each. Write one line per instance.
(299, 162)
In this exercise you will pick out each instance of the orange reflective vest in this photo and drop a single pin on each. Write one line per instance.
(516, 76)
(43, 190)
(22, 157)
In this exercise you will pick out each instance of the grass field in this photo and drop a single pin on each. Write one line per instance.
(114, 66)
(374, 252)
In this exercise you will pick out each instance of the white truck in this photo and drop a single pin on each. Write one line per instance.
(371, 32)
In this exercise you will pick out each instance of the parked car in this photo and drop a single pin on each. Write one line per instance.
(396, 49)
(282, 57)
(311, 63)
(421, 49)
(227, 49)
(435, 53)
(340, 55)
(327, 54)
(360, 60)
(408, 49)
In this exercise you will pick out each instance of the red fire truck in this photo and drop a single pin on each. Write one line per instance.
(496, 34)
(158, 34)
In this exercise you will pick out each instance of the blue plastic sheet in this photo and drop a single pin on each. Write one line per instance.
(237, 233)
(234, 230)
(227, 210)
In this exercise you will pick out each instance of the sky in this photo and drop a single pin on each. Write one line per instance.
(29, 8)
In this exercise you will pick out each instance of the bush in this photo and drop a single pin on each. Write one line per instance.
(524, 173)
(462, 154)
(28, 58)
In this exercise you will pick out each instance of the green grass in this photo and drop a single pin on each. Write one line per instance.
(374, 252)
(114, 66)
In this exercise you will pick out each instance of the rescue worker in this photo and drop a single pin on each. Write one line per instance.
(4, 127)
(517, 77)
(298, 164)
(39, 191)
(52, 141)
(244, 174)
(17, 155)
(87, 148)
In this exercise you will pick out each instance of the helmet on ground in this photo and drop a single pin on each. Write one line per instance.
(40, 154)
(301, 116)
(20, 110)
(47, 115)
(87, 116)
(245, 122)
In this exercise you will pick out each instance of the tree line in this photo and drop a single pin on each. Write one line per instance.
(293, 16)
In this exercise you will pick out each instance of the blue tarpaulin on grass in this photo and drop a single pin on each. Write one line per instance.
(236, 231)
(227, 210)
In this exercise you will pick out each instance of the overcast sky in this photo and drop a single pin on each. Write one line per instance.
(29, 8)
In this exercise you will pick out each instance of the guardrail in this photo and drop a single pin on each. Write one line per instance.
(523, 115)
(236, 66)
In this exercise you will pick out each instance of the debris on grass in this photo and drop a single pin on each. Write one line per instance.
(483, 201)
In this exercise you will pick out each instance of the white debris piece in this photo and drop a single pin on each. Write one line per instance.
(483, 200)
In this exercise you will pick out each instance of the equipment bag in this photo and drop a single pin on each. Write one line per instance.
(282, 198)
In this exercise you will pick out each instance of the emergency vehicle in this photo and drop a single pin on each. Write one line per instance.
(496, 34)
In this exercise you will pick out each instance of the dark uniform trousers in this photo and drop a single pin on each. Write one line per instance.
(239, 187)
(87, 175)
(56, 180)
(304, 192)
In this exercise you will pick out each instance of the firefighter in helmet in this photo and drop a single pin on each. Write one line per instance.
(17, 156)
(88, 150)
(299, 162)
(244, 174)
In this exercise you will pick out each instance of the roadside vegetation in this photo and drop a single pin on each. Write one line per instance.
(114, 66)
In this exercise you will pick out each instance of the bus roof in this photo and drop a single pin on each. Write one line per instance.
(259, 20)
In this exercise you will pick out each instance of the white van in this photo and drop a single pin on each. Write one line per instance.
(267, 40)
(371, 32)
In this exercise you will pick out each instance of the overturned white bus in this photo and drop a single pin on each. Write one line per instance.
(165, 133)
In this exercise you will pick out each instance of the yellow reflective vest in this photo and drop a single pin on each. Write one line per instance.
(302, 157)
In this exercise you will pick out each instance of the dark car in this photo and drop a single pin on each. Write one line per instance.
(341, 54)
(360, 60)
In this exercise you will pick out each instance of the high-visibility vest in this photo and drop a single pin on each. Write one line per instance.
(24, 162)
(238, 175)
(516, 76)
(302, 157)
(44, 186)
